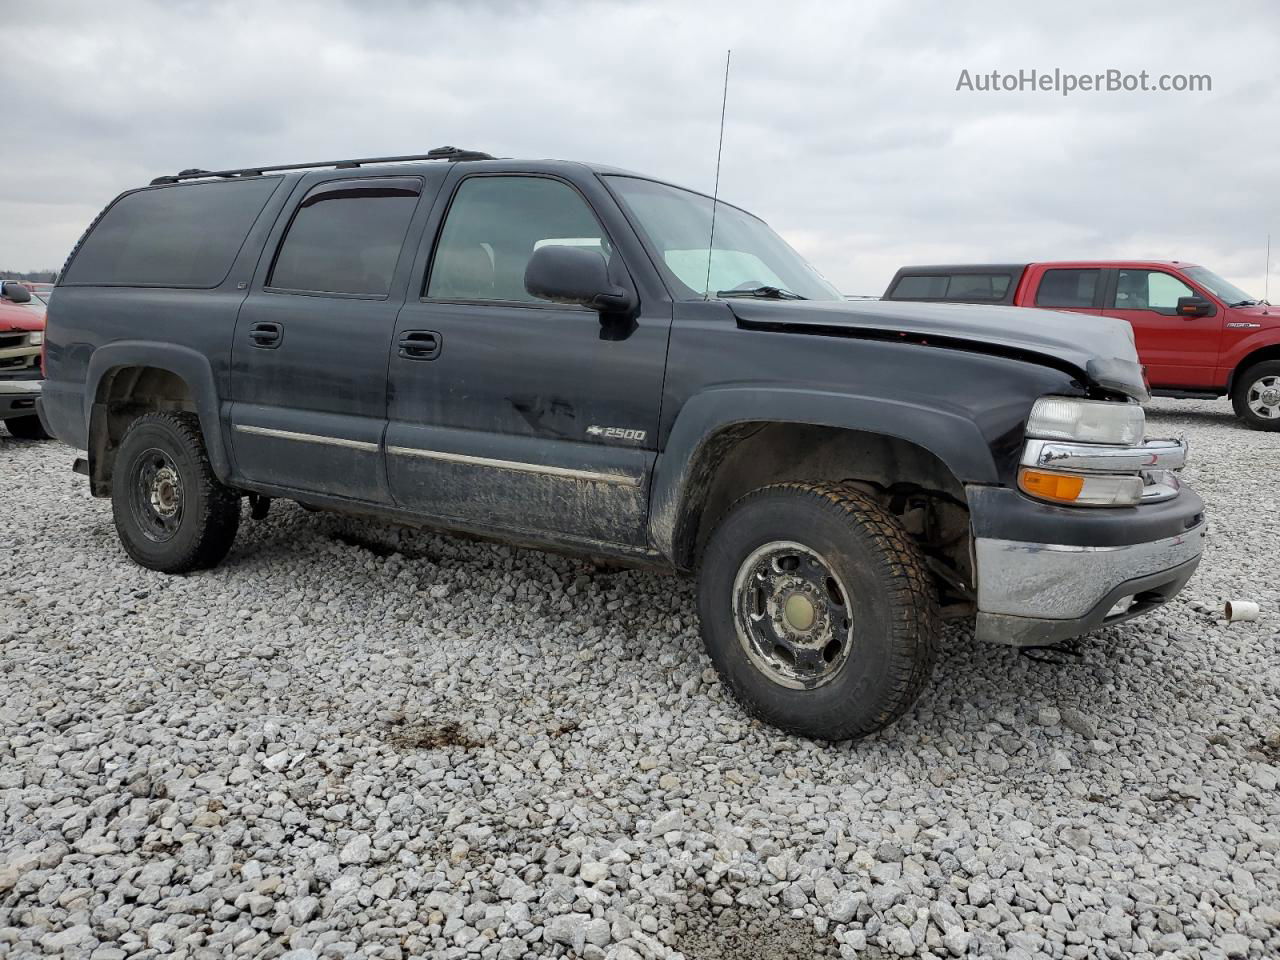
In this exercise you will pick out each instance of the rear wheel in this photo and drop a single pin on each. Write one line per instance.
(817, 610)
(27, 428)
(171, 512)
(1256, 397)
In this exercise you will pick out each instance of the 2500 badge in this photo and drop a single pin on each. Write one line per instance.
(617, 433)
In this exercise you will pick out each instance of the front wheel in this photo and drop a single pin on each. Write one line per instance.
(171, 512)
(1256, 397)
(817, 610)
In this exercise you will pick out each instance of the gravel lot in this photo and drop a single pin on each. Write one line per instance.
(352, 740)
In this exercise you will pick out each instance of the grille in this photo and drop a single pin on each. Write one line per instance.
(17, 341)
(13, 339)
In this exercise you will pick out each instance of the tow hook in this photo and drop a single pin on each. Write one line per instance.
(258, 506)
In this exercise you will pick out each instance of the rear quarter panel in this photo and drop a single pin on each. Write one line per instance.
(83, 319)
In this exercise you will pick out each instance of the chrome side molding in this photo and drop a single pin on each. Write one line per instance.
(593, 476)
(306, 437)
(569, 473)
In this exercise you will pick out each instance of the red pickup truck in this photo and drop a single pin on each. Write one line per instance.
(1199, 336)
(21, 340)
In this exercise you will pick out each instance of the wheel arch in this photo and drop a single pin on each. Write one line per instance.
(129, 378)
(1261, 355)
(727, 442)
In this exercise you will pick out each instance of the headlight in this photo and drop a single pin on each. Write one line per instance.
(36, 338)
(1087, 421)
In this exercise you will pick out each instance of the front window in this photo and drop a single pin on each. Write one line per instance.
(1149, 290)
(746, 255)
(1229, 293)
(494, 225)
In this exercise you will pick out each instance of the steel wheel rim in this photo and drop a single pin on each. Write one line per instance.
(1264, 397)
(791, 613)
(156, 495)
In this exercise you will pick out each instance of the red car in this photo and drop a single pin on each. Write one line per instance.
(21, 339)
(1199, 336)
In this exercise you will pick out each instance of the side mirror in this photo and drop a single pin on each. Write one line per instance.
(1189, 307)
(576, 275)
(15, 292)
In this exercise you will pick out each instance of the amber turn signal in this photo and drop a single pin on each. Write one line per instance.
(1058, 487)
(1089, 490)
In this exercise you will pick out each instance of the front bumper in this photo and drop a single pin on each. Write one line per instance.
(1034, 588)
(18, 398)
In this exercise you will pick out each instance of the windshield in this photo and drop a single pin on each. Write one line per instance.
(1229, 292)
(747, 255)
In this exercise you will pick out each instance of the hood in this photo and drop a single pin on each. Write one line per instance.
(1100, 348)
(14, 316)
(1258, 313)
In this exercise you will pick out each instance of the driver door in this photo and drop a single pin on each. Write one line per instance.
(513, 413)
(1177, 351)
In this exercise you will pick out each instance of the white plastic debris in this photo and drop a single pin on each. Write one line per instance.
(1238, 610)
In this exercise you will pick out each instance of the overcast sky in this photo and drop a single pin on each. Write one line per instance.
(845, 129)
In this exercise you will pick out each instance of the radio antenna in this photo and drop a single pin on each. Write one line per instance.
(715, 194)
(1266, 276)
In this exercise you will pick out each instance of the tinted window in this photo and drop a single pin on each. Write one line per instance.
(177, 236)
(921, 288)
(346, 237)
(977, 286)
(493, 227)
(955, 286)
(1067, 288)
(1149, 290)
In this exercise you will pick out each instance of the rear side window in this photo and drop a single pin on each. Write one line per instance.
(978, 286)
(186, 235)
(1067, 288)
(346, 237)
(968, 287)
(921, 288)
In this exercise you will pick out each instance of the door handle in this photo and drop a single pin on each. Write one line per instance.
(266, 335)
(420, 344)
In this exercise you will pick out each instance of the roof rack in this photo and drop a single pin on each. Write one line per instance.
(452, 154)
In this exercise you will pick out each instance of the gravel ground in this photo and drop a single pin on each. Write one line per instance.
(352, 740)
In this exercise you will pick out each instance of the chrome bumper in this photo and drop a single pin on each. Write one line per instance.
(18, 397)
(1032, 593)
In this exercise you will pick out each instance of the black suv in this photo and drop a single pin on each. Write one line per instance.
(564, 355)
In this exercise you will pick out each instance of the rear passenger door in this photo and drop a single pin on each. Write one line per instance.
(1077, 289)
(512, 413)
(309, 361)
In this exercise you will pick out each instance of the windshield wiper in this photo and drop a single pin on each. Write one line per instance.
(763, 293)
(1244, 303)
